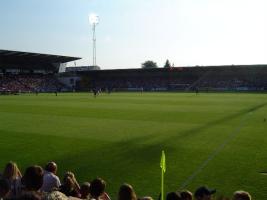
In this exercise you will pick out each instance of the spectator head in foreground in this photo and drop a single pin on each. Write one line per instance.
(173, 196)
(4, 188)
(145, 198)
(204, 193)
(56, 195)
(33, 178)
(97, 188)
(50, 181)
(11, 171)
(126, 192)
(70, 175)
(241, 195)
(70, 186)
(51, 167)
(186, 195)
(85, 190)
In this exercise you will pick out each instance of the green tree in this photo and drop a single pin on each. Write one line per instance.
(167, 64)
(149, 64)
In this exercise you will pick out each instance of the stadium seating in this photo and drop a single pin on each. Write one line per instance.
(222, 78)
(29, 83)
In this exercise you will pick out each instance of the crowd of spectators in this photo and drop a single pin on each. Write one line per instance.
(209, 82)
(231, 81)
(158, 84)
(226, 79)
(43, 184)
(205, 79)
(29, 83)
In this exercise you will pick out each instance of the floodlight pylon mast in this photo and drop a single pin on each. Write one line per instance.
(94, 44)
(94, 20)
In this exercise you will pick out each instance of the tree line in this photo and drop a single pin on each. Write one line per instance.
(151, 64)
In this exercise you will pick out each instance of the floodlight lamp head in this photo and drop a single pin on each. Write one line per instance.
(93, 19)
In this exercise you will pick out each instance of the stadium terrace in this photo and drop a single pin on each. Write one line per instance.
(32, 72)
(206, 78)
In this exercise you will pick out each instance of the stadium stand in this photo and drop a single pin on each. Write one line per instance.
(209, 78)
(30, 83)
(33, 72)
(30, 72)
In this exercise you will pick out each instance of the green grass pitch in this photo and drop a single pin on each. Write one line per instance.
(217, 139)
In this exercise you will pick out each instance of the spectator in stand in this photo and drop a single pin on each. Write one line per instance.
(204, 193)
(97, 189)
(241, 195)
(29, 83)
(70, 186)
(85, 190)
(126, 192)
(13, 175)
(51, 181)
(174, 196)
(32, 180)
(186, 195)
(4, 188)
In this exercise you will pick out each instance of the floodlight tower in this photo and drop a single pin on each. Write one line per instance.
(94, 20)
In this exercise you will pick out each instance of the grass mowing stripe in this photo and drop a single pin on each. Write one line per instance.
(119, 137)
(230, 138)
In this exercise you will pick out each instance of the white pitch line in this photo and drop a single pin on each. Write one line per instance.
(215, 152)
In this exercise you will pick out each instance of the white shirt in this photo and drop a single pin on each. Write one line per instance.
(50, 181)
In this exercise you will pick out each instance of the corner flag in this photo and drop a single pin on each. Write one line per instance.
(163, 162)
(163, 170)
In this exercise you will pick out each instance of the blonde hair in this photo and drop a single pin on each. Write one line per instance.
(11, 171)
(69, 178)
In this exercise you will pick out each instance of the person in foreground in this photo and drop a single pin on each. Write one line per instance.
(32, 181)
(13, 175)
(4, 188)
(126, 192)
(174, 196)
(85, 190)
(241, 195)
(50, 181)
(97, 189)
(70, 186)
(204, 193)
(186, 195)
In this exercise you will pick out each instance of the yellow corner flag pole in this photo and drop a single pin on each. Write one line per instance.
(163, 170)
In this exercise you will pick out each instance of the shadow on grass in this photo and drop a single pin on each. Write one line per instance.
(190, 132)
(135, 160)
(117, 162)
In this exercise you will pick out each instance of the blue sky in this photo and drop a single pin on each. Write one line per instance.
(187, 32)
